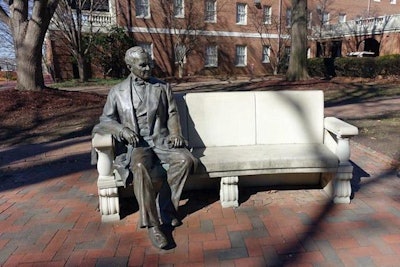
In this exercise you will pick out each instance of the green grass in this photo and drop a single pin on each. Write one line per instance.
(90, 82)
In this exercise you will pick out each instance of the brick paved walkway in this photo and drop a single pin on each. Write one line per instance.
(49, 217)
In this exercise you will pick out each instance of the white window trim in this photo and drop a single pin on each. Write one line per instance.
(393, 2)
(344, 16)
(184, 57)
(266, 57)
(214, 4)
(288, 19)
(244, 64)
(326, 22)
(148, 11)
(244, 22)
(183, 10)
(269, 20)
(208, 65)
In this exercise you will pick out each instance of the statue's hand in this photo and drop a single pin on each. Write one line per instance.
(130, 136)
(176, 141)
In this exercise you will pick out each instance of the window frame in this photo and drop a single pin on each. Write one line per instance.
(342, 17)
(178, 48)
(211, 58)
(142, 5)
(241, 15)
(210, 13)
(267, 18)
(179, 5)
(241, 59)
(288, 17)
(266, 54)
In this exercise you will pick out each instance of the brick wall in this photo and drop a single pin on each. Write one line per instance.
(227, 34)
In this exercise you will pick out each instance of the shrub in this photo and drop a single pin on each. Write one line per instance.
(321, 67)
(356, 67)
(388, 65)
(366, 67)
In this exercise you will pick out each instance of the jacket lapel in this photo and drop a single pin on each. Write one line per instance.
(153, 99)
(127, 104)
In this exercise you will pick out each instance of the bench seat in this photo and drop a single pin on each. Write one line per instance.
(216, 162)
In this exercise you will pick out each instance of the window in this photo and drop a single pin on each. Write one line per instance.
(142, 8)
(180, 53)
(288, 17)
(241, 55)
(325, 18)
(179, 11)
(266, 53)
(267, 11)
(241, 14)
(393, 2)
(342, 17)
(211, 59)
(210, 11)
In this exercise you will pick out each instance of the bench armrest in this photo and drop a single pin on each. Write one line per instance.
(339, 127)
(337, 138)
(102, 141)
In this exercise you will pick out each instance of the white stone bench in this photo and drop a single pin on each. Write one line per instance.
(255, 135)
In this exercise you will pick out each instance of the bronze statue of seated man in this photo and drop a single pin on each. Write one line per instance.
(141, 113)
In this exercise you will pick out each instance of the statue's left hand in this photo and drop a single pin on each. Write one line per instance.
(176, 141)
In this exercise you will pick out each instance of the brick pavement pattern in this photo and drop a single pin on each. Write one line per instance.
(49, 217)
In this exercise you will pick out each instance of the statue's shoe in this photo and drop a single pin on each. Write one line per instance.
(157, 237)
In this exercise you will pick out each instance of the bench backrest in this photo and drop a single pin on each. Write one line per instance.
(250, 118)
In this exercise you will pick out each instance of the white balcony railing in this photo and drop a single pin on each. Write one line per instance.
(97, 18)
(377, 25)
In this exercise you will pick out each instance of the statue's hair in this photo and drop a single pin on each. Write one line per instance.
(133, 53)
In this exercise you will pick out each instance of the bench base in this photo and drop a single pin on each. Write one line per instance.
(229, 192)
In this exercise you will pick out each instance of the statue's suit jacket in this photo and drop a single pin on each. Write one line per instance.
(119, 112)
(162, 113)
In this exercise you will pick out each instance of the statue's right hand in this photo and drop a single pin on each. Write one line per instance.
(130, 136)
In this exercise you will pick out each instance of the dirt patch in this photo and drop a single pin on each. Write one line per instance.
(48, 115)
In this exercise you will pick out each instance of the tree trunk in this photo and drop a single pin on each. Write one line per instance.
(83, 74)
(298, 54)
(28, 34)
(29, 62)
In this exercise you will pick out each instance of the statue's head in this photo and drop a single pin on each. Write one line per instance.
(138, 62)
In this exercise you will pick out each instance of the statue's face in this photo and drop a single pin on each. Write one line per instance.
(140, 66)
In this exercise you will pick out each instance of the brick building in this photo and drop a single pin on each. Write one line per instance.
(246, 37)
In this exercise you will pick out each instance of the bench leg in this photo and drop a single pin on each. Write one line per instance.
(107, 188)
(342, 184)
(229, 192)
(109, 204)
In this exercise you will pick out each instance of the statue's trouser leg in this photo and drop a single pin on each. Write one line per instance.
(180, 163)
(142, 160)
